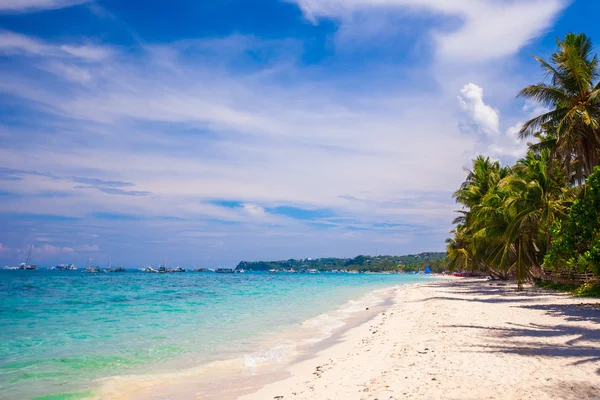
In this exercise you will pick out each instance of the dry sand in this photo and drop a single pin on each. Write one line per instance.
(458, 339)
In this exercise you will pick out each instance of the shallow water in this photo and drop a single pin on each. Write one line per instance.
(62, 330)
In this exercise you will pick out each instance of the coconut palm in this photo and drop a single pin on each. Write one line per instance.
(573, 97)
(503, 227)
(536, 195)
(475, 245)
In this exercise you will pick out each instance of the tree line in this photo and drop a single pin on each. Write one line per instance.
(542, 213)
(363, 263)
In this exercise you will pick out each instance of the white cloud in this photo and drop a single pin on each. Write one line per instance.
(87, 52)
(254, 210)
(534, 109)
(35, 5)
(87, 247)
(513, 132)
(191, 130)
(70, 72)
(508, 146)
(12, 43)
(489, 28)
(482, 115)
(48, 250)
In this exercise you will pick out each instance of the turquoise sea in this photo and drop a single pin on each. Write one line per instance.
(65, 334)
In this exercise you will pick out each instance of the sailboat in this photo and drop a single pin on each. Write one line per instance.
(90, 269)
(162, 268)
(119, 269)
(26, 264)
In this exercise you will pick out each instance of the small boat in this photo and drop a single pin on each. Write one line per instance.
(240, 271)
(65, 267)
(26, 264)
(162, 268)
(273, 271)
(177, 269)
(90, 268)
(150, 269)
(202, 270)
(110, 269)
(224, 271)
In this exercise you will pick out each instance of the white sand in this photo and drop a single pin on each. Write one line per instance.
(459, 339)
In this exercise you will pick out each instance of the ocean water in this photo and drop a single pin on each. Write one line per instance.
(68, 334)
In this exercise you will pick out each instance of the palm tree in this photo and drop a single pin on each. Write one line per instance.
(475, 244)
(573, 96)
(536, 195)
(504, 224)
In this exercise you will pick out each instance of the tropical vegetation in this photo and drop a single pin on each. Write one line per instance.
(540, 216)
(363, 263)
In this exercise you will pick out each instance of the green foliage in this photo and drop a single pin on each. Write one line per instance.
(514, 219)
(503, 227)
(408, 263)
(576, 241)
(585, 290)
(573, 98)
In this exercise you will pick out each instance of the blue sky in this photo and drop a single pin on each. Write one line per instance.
(209, 132)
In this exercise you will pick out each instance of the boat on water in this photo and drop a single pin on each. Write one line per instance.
(273, 271)
(203, 270)
(27, 264)
(111, 269)
(162, 269)
(224, 271)
(91, 269)
(65, 267)
(239, 271)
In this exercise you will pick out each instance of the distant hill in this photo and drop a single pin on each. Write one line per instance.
(411, 262)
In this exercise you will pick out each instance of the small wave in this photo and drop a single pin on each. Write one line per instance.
(270, 355)
(287, 347)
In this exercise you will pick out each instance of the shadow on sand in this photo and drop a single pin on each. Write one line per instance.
(581, 343)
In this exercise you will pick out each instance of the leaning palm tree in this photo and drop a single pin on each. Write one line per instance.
(536, 195)
(573, 97)
(475, 243)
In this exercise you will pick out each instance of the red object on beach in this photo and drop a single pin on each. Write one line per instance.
(466, 274)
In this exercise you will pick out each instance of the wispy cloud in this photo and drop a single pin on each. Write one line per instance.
(218, 143)
(12, 43)
(37, 5)
(488, 29)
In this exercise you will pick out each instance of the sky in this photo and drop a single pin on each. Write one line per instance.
(209, 132)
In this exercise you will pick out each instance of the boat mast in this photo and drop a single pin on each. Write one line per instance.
(28, 255)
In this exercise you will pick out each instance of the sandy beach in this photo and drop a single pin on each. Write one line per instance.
(457, 339)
